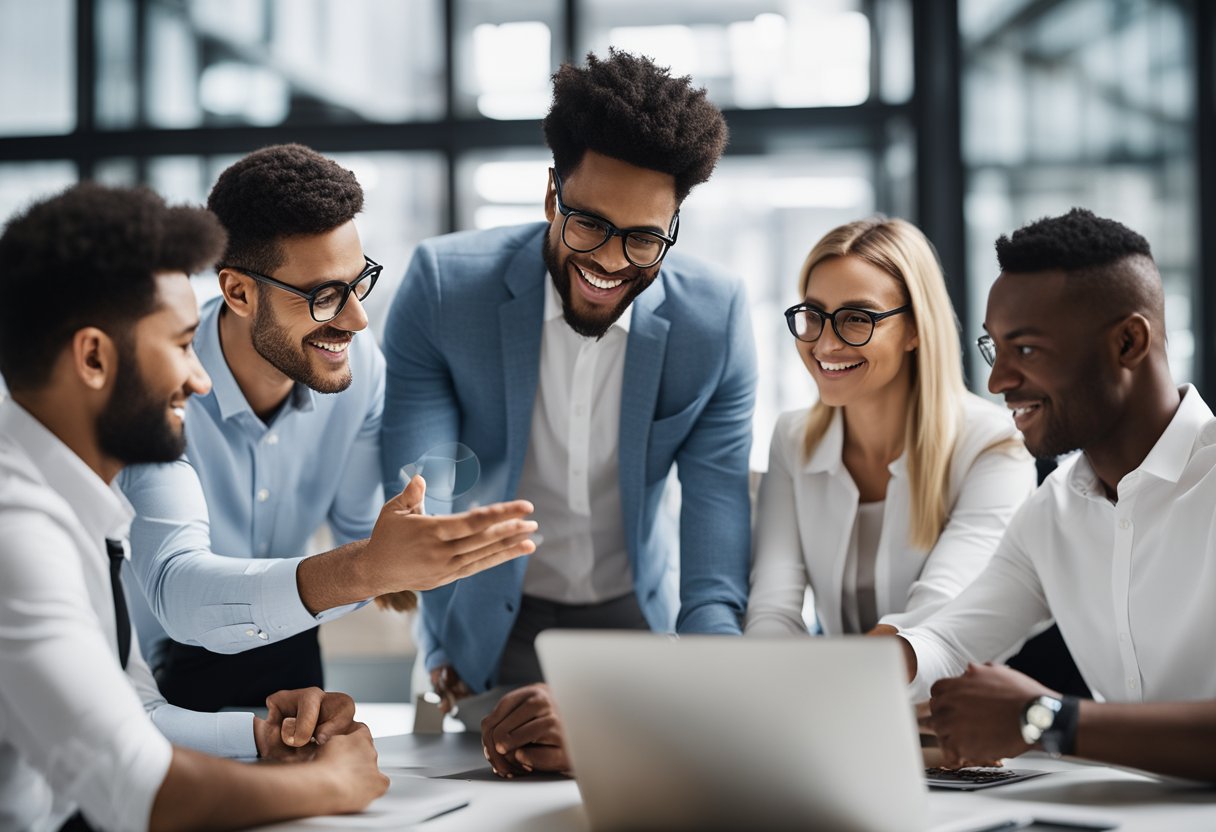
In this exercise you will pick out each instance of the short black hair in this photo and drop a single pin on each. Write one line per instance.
(628, 108)
(284, 190)
(87, 257)
(1075, 241)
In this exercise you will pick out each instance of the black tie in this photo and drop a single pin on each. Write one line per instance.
(121, 620)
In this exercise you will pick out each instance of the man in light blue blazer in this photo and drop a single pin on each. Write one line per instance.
(580, 361)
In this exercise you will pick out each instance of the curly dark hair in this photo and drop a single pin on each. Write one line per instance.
(87, 257)
(1077, 240)
(276, 192)
(630, 109)
(1110, 267)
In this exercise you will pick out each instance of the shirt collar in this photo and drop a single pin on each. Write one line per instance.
(553, 306)
(102, 509)
(828, 456)
(224, 388)
(1170, 454)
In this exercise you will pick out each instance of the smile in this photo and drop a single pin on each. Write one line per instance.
(601, 283)
(1024, 409)
(830, 367)
(335, 347)
(179, 411)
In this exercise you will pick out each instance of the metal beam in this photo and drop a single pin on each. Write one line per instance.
(1203, 15)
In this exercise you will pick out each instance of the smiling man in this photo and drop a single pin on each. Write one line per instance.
(581, 358)
(287, 439)
(1117, 545)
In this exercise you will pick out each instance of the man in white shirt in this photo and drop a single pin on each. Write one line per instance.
(95, 346)
(1117, 545)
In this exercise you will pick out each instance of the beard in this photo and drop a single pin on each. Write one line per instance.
(1089, 421)
(273, 343)
(592, 326)
(134, 427)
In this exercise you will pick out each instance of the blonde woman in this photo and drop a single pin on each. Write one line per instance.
(889, 495)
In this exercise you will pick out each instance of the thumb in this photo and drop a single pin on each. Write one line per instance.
(410, 498)
(288, 731)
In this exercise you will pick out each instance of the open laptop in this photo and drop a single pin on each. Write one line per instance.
(707, 732)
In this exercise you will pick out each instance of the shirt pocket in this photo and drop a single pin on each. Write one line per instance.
(666, 436)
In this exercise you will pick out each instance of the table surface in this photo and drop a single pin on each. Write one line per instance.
(1077, 791)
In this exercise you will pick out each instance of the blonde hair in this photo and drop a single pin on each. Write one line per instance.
(935, 417)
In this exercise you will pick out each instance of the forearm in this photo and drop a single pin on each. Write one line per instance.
(909, 654)
(205, 793)
(334, 579)
(1175, 738)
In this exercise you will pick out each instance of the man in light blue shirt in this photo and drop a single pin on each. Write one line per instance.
(287, 439)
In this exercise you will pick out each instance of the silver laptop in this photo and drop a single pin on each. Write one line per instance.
(712, 732)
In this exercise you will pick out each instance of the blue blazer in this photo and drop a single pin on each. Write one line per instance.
(462, 345)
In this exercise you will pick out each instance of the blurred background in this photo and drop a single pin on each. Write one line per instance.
(968, 117)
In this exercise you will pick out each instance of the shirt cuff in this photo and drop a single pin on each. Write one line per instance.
(228, 734)
(284, 613)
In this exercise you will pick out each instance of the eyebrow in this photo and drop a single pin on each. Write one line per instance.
(188, 330)
(1021, 331)
(857, 303)
(656, 229)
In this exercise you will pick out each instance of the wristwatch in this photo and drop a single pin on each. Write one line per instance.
(1052, 722)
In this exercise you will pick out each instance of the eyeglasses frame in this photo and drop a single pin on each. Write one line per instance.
(668, 239)
(371, 267)
(874, 317)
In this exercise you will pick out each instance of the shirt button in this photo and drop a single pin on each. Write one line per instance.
(263, 495)
(1125, 525)
(251, 633)
(1131, 683)
(1122, 636)
(272, 439)
(263, 636)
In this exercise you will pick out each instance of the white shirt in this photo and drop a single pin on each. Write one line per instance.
(74, 728)
(1132, 584)
(571, 469)
(807, 509)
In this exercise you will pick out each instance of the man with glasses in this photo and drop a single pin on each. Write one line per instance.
(1117, 545)
(288, 439)
(580, 359)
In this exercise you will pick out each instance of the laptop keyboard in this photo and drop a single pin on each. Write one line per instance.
(975, 776)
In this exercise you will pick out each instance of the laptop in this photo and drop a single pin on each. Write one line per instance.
(711, 732)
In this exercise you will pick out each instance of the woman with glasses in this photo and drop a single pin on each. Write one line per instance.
(889, 495)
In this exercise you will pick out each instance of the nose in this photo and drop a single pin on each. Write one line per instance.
(828, 340)
(610, 257)
(198, 382)
(1002, 378)
(353, 316)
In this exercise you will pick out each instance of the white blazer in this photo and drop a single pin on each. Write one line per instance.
(807, 510)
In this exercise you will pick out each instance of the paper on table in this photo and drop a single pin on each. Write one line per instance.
(409, 800)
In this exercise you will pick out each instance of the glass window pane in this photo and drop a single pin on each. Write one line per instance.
(1085, 104)
(37, 67)
(505, 55)
(24, 182)
(756, 54)
(269, 62)
(502, 187)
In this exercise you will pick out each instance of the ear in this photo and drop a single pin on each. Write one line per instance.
(1133, 337)
(550, 199)
(239, 292)
(913, 342)
(93, 357)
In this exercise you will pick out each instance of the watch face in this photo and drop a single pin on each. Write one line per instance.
(1040, 716)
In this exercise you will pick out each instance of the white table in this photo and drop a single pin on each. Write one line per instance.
(550, 804)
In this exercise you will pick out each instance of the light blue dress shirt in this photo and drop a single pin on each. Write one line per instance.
(212, 530)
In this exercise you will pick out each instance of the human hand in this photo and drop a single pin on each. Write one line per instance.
(295, 718)
(976, 716)
(524, 734)
(410, 550)
(349, 762)
(450, 687)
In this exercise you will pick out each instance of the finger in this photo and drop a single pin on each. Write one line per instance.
(410, 497)
(337, 716)
(508, 550)
(543, 758)
(469, 545)
(307, 711)
(501, 765)
(454, 526)
(545, 730)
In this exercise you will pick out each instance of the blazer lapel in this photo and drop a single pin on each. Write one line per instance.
(644, 354)
(520, 325)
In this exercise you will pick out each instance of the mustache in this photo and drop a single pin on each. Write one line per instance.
(329, 333)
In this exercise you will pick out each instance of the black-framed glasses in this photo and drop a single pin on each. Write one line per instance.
(853, 326)
(326, 301)
(584, 232)
(987, 348)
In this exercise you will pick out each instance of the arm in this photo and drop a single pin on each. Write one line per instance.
(977, 716)
(779, 580)
(715, 527)
(994, 613)
(992, 490)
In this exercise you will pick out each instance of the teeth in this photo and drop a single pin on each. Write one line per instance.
(180, 412)
(838, 367)
(1023, 410)
(600, 283)
(331, 346)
